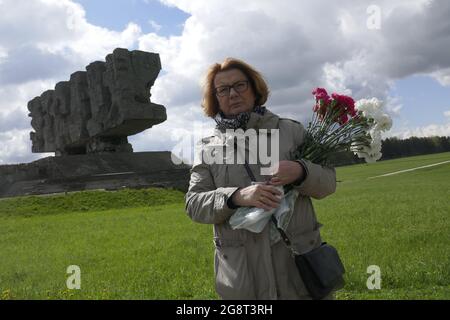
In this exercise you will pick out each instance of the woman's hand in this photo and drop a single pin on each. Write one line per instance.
(286, 172)
(262, 196)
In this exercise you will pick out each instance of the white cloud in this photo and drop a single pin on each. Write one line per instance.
(14, 100)
(297, 45)
(155, 25)
(16, 146)
(442, 76)
(406, 131)
(424, 131)
(3, 54)
(295, 54)
(54, 30)
(42, 43)
(394, 106)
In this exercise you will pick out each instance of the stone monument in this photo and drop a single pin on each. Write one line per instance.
(86, 122)
(96, 110)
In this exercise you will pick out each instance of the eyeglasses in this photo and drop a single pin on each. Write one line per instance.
(239, 86)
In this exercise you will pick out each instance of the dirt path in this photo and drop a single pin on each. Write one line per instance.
(407, 170)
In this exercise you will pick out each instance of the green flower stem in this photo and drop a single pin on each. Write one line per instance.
(325, 136)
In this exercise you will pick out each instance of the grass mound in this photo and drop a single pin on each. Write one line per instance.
(88, 201)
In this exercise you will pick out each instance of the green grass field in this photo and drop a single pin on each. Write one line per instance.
(140, 244)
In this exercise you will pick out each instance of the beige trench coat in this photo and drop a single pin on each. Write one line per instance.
(246, 265)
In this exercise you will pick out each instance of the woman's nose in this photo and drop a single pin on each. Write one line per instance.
(233, 92)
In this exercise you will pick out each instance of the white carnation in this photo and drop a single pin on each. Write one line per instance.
(371, 108)
(371, 152)
(383, 123)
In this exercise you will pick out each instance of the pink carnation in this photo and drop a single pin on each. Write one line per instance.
(321, 94)
(323, 100)
(346, 103)
(343, 119)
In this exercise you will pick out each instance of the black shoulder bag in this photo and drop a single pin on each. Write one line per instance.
(321, 269)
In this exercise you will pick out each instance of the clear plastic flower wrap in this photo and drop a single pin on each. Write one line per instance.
(255, 219)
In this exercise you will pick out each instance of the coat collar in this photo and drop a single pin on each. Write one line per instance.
(257, 121)
(267, 121)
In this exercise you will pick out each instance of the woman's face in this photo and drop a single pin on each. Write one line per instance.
(234, 92)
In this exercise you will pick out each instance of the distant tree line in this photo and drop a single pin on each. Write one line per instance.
(392, 148)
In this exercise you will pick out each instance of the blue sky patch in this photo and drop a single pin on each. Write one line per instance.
(150, 15)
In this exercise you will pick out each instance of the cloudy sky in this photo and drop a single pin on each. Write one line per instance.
(396, 50)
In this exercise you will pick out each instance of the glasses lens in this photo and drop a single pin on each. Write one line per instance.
(241, 86)
(222, 91)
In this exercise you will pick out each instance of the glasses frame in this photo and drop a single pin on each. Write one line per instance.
(227, 93)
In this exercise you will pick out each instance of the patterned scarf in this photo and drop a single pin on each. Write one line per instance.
(237, 121)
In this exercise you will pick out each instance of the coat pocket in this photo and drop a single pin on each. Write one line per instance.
(232, 276)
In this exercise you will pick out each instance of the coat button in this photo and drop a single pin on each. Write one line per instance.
(312, 242)
(225, 256)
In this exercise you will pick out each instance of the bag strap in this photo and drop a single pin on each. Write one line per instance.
(249, 171)
(283, 235)
(272, 217)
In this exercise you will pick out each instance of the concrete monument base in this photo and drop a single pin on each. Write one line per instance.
(109, 171)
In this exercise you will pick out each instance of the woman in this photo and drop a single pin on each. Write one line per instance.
(254, 265)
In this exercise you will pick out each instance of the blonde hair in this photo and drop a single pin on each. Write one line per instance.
(210, 104)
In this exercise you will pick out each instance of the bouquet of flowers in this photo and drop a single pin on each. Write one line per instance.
(338, 124)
